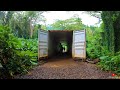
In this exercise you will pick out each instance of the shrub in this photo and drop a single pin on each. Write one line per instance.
(15, 56)
(111, 63)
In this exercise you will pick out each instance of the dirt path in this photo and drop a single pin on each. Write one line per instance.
(66, 69)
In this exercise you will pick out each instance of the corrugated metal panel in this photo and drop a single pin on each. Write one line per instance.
(79, 44)
(43, 44)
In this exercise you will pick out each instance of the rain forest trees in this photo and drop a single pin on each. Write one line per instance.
(94, 42)
(18, 27)
(73, 23)
(103, 41)
(18, 53)
(110, 28)
(111, 40)
(22, 22)
(93, 34)
(5, 17)
(111, 21)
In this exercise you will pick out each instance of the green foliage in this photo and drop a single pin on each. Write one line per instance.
(16, 55)
(28, 44)
(22, 23)
(110, 63)
(93, 35)
(94, 42)
(105, 44)
(73, 23)
(111, 21)
(5, 17)
(35, 31)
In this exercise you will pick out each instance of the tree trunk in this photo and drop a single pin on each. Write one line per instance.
(117, 34)
(109, 31)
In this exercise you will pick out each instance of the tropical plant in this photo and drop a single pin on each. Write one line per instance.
(15, 57)
(73, 23)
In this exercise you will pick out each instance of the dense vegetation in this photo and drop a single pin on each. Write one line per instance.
(18, 42)
(17, 55)
(111, 40)
(19, 33)
(110, 60)
(102, 42)
(93, 34)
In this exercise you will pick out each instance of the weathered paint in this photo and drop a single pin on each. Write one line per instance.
(79, 44)
(46, 42)
(43, 44)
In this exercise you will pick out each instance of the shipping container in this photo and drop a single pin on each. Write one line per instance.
(73, 40)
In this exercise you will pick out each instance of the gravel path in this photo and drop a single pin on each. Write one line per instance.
(66, 69)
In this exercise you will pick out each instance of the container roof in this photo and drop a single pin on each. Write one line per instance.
(61, 34)
(60, 30)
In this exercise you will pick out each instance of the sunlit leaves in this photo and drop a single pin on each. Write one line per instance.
(73, 23)
(23, 22)
(16, 55)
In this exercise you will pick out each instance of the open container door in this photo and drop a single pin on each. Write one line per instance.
(79, 44)
(42, 44)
